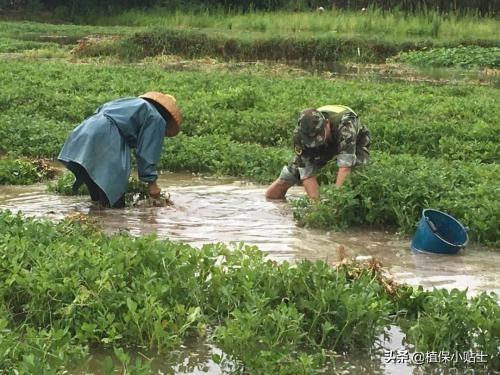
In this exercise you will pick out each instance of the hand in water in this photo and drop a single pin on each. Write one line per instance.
(154, 190)
(162, 201)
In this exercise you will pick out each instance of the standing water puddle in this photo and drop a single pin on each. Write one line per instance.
(223, 210)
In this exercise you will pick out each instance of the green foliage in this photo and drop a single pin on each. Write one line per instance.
(316, 50)
(66, 287)
(219, 155)
(417, 119)
(390, 25)
(341, 211)
(393, 190)
(237, 124)
(136, 190)
(19, 172)
(14, 45)
(63, 185)
(462, 57)
(449, 318)
(264, 340)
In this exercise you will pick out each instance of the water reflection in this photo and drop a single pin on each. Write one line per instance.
(194, 358)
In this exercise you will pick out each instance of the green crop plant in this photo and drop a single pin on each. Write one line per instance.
(393, 190)
(242, 124)
(417, 118)
(17, 172)
(21, 172)
(63, 185)
(66, 287)
(218, 155)
(451, 319)
(462, 57)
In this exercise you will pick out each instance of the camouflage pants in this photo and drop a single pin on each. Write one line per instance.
(297, 171)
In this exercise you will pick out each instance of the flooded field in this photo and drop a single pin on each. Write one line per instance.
(196, 358)
(227, 210)
(77, 301)
(224, 210)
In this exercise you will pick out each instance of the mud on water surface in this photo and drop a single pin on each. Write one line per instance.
(225, 210)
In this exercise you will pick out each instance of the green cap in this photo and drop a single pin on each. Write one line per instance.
(311, 128)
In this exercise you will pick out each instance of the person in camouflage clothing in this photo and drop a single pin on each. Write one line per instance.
(322, 134)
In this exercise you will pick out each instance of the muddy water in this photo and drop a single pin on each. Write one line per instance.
(400, 72)
(377, 72)
(215, 210)
(196, 358)
(224, 210)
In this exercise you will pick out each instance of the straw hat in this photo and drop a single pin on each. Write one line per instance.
(170, 104)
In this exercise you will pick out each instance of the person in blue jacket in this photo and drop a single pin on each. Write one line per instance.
(98, 150)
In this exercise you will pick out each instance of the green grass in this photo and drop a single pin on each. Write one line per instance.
(390, 25)
(58, 39)
(36, 30)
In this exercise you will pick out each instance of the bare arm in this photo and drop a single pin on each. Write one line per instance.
(311, 187)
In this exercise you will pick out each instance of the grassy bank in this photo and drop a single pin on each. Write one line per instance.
(320, 51)
(67, 287)
(382, 25)
(320, 39)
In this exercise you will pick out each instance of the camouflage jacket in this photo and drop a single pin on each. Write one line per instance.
(346, 132)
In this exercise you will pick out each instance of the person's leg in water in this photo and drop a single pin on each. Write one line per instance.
(96, 193)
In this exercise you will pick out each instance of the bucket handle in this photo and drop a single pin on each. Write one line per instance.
(431, 224)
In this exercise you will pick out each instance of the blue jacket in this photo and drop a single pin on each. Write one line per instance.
(102, 144)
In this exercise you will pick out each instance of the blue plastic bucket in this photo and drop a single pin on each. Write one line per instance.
(439, 233)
